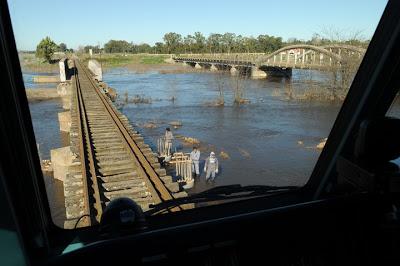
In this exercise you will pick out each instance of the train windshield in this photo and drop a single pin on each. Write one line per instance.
(192, 104)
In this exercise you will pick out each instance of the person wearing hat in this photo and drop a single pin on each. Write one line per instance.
(211, 166)
(168, 140)
(195, 157)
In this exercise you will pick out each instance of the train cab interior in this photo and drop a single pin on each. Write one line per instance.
(347, 213)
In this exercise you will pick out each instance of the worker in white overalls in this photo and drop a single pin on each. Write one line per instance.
(195, 157)
(211, 166)
(168, 141)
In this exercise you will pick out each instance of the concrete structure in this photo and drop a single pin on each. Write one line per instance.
(169, 60)
(280, 62)
(64, 90)
(41, 94)
(46, 79)
(213, 68)
(62, 159)
(234, 71)
(95, 67)
(197, 66)
(63, 76)
(256, 73)
(64, 119)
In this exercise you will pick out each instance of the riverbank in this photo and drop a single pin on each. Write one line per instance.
(29, 63)
(139, 63)
(305, 85)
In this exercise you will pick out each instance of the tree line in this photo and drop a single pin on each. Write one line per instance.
(175, 43)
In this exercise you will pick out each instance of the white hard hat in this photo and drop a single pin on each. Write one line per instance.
(212, 153)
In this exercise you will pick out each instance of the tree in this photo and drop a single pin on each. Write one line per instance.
(62, 47)
(95, 49)
(172, 41)
(142, 48)
(200, 42)
(250, 44)
(268, 44)
(214, 42)
(159, 47)
(46, 48)
(188, 43)
(117, 46)
(228, 40)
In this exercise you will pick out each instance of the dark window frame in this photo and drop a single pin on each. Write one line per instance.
(26, 188)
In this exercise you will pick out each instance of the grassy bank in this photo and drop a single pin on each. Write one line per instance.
(119, 60)
(29, 62)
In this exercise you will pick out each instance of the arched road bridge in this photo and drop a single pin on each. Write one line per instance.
(280, 62)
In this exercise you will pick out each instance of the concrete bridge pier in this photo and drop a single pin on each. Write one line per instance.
(234, 71)
(213, 68)
(95, 67)
(198, 66)
(257, 73)
(63, 70)
(287, 72)
(185, 64)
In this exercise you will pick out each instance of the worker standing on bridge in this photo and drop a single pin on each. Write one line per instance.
(168, 141)
(195, 157)
(211, 166)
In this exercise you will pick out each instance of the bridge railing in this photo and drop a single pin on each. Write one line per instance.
(239, 57)
(297, 56)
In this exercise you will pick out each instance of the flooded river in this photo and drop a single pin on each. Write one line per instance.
(269, 141)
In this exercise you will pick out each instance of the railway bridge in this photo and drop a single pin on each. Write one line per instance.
(280, 62)
(112, 159)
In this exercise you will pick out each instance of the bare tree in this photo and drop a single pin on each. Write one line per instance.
(238, 85)
(219, 80)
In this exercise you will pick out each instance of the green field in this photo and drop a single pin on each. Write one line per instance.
(116, 60)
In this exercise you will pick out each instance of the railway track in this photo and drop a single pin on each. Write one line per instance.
(114, 161)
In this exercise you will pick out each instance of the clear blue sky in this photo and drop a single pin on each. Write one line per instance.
(82, 22)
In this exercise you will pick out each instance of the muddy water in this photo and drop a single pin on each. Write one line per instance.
(44, 116)
(269, 141)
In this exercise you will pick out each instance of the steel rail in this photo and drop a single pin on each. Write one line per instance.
(87, 211)
(155, 184)
(151, 173)
(89, 156)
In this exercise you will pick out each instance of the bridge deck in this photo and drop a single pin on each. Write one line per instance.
(115, 162)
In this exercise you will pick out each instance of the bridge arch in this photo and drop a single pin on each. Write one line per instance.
(263, 59)
(351, 48)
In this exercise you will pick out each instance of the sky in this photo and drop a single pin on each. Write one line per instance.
(94, 22)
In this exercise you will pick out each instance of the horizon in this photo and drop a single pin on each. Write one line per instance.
(122, 23)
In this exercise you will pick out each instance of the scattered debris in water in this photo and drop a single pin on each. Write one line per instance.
(140, 99)
(244, 153)
(149, 125)
(172, 99)
(176, 124)
(47, 168)
(188, 140)
(216, 103)
(224, 155)
(321, 145)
